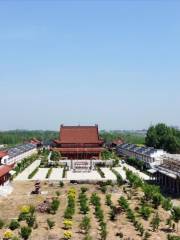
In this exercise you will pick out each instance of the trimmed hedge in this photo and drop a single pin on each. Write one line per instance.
(49, 172)
(31, 175)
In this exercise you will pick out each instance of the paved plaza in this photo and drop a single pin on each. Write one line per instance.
(41, 174)
(56, 174)
(24, 175)
(93, 175)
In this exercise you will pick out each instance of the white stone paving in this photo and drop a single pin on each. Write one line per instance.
(24, 175)
(109, 175)
(56, 174)
(41, 174)
(121, 172)
(93, 175)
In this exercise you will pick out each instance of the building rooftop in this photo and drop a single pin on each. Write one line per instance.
(79, 134)
(3, 154)
(4, 169)
(15, 151)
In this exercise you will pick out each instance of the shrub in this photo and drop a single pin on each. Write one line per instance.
(25, 232)
(173, 237)
(118, 177)
(85, 224)
(22, 217)
(123, 203)
(145, 211)
(49, 172)
(15, 238)
(25, 209)
(30, 220)
(8, 234)
(175, 212)
(103, 189)
(64, 172)
(14, 224)
(54, 205)
(146, 235)
(112, 213)
(67, 224)
(155, 222)
(50, 223)
(61, 184)
(108, 200)
(1, 223)
(84, 208)
(156, 199)
(130, 215)
(88, 237)
(31, 175)
(67, 235)
(167, 204)
(57, 193)
(101, 173)
(84, 189)
(32, 209)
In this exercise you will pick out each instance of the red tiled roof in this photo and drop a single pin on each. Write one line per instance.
(79, 150)
(79, 134)
(2, 154)
(4, 169)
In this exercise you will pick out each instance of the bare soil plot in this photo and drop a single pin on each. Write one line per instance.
(10, 209)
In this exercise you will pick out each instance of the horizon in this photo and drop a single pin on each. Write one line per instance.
(113, 63)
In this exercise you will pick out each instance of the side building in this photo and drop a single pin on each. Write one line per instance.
(167, 175)
(17, 153)
(150, 156)
(79, 142)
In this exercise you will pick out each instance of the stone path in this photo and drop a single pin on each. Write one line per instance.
(121, 172)
(56, 174)
(93, 175)
(109, 175)
(24, 175)
(41, 174)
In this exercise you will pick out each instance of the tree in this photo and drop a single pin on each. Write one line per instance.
(25, 232)
(112, 213)
(54, 205)
(167, 204)
(156, 199)
(50, 223)
(67, 224)
(108, 200)
(155, 222)
(55, 156)
(14, 224)
(145, 211)
(176, 215)
(164, 137)
(85, 224)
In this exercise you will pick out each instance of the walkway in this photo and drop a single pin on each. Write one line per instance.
(24, 175)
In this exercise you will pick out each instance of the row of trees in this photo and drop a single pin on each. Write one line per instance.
(95, 201)
(153, 196)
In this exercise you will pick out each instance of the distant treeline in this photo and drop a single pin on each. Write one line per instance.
(20, 136)
(130, 137)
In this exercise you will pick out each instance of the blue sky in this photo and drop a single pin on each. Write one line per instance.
(115, 63)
